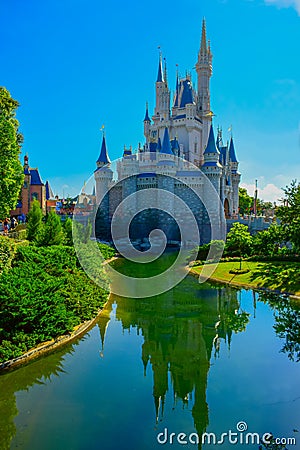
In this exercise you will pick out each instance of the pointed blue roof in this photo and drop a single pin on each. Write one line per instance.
(187, 93)
(158, 148)
(232, 154)
(175, 144)
(103, 157)
(211, 144)
(166, 145)
(147, 118)
(160, 77)
(49, 192)
(35, 177)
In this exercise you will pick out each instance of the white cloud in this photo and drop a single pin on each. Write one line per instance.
(269, 193)
(285, 4)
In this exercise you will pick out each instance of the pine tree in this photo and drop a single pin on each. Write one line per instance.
(52, 233)
(67, 228)
(34, 222)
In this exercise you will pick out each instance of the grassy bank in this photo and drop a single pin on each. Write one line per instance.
(44, 293)
(279, 276)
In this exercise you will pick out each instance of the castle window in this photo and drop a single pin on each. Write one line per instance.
(34, 196)
(25, 185)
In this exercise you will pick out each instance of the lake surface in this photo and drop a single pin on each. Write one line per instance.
(199, 358)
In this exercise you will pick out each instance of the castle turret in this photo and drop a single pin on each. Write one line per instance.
(147, 123)
(212, 167)
(235, 177)
(103, 157)
(103, 174)
(162, 107)
(204, 72)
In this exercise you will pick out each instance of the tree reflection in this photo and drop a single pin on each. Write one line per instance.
(21, 379)
(287, 322)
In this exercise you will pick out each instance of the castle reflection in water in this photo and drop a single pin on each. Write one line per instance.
(182, 330)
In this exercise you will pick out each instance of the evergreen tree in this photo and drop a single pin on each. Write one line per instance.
(67, 228)
(34, 222)
(52, 233)
(11, 170)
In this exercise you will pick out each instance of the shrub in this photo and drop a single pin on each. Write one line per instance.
(7, 252)
(107, 251)
(44, 295)
(239, 271)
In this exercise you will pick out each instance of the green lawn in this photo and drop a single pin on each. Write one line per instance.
(283, 276)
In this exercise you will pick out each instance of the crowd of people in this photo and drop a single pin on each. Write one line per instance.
(11, 223)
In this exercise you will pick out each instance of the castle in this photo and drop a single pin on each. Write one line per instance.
(180, 147)
(33, 189)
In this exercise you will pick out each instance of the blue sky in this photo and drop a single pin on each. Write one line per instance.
(74, 65)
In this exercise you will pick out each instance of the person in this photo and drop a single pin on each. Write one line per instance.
(6, 225)
(14, 223)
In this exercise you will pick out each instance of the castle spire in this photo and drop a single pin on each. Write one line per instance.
(162, 104)
(165, 71)
(219, 141)
(176, 103)
(211, 144)
(147, 118)
(166, 145)
(203, 48)
(232, 154)
(204, 73)
(160, 77)
(103, 157)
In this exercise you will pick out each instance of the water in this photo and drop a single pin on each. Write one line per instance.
(187, 361)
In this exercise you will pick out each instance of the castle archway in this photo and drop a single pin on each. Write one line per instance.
(226, 208)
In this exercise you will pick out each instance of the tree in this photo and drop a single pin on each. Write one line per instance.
(67, 228)
(267, 242)
(262, 206)
(82, 233)
(245, 201)
(11, 170)
(289, 214)
(239, 239)
(51, 233)
(34, 222)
